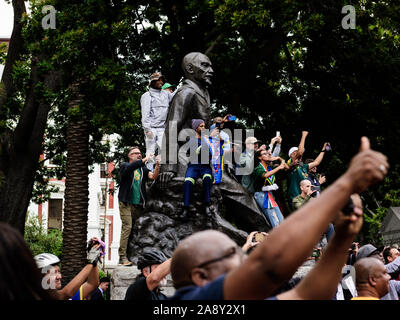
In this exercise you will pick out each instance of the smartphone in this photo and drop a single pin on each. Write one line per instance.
(232, 118)
(278, 134)
(328, 147)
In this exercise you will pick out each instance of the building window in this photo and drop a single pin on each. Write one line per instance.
(103, 197)
(103, 170)
(55, 214)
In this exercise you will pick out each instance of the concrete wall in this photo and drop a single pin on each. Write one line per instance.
(122, 277)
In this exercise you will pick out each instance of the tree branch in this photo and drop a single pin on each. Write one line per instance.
(14, 50)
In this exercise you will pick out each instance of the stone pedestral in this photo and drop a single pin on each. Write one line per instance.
(161, 228)
(122, 277)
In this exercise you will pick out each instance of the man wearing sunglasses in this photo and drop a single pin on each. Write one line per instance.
(132, 195)
(218, 270)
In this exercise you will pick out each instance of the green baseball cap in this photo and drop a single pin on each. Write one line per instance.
(167, 85)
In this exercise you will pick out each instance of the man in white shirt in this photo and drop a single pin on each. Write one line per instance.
(155, 105)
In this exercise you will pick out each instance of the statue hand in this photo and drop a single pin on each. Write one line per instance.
(165, 177)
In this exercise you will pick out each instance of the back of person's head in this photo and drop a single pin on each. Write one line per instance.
(104, 279)
(190, 58)
(371, 277)
(386, 254)
(367, 250)
(20, 278)
(202, 257)
(150, 257)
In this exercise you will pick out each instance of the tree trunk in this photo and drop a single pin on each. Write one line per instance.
(76, 197)
(20, 151)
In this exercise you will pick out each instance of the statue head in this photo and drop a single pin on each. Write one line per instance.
(197, 67)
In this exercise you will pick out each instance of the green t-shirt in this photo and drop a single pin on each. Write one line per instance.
(260, 181)
(136, 187)
(295, 176)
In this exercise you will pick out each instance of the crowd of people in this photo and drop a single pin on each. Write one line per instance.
(208, 264)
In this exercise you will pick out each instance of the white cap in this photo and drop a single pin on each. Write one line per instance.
(251, 140)
(292, 149)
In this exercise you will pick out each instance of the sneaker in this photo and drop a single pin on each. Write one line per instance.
(124, 262)
(184, 216)
(207, 211)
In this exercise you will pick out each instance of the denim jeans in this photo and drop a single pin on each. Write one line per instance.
(274, 215)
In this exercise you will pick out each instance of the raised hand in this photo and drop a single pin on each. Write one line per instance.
(349, 225)
(366, 168)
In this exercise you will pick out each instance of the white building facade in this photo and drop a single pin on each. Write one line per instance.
(103, 218)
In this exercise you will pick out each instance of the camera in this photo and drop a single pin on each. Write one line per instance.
(315, 189)
(232, 118)
(259, 237)
(218, 125)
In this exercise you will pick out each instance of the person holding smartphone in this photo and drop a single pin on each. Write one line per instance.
(316, 179)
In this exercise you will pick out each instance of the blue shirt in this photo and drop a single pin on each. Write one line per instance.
(213, 290)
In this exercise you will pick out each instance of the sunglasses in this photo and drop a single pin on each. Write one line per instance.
(231, 252)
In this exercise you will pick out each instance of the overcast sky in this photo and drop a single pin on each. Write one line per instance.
(6, 19)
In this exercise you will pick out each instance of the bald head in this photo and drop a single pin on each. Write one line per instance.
(305, 182)
(197, 67)
(195, 250)
(371, 277)
(305, 187)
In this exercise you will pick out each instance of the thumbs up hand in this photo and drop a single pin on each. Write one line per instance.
(366, 168)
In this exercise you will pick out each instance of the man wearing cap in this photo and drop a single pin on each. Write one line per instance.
(298, 170)
(155, 104)
(168, 87)
(370, 251)
(154, 267)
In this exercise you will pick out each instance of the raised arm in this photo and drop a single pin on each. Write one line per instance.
(92, 282)
(280, 167)
(154, 175)
(88, 271)
(301, 149)
(318, 160)
(289, 244)
(321, 282)
(155, 277)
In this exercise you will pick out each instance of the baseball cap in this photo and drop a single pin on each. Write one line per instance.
(251, 140)
(366, 251)
(292, 149)
(167, 85)
(155, 76)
